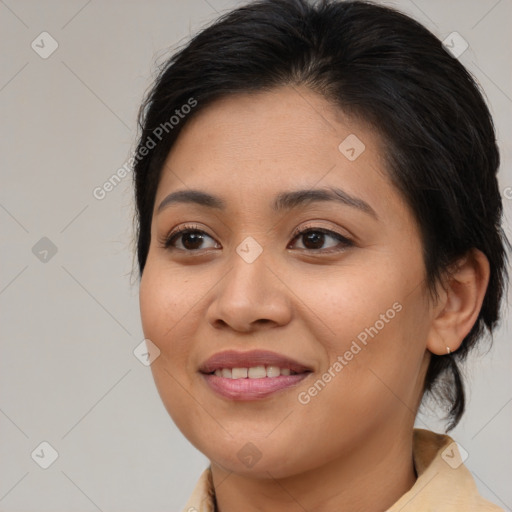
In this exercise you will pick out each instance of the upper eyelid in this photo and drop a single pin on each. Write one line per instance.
(185, 229)
(295, 234)
(191, 225)
(300, 230)
(341, 239)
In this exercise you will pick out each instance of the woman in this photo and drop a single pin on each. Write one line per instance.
(319, 246)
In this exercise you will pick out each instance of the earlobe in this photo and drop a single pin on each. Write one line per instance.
(461, 299)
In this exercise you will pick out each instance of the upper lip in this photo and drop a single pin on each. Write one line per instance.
(249, 359)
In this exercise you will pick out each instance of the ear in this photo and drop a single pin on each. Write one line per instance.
(460, 299)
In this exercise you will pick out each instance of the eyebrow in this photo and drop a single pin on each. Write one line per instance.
(283, 201)
(192, 196)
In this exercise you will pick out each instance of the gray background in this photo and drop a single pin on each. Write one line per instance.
(70, 322)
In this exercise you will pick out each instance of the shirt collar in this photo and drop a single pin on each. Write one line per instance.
(444, 484)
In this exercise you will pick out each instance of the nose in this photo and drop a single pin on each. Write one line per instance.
(250, 296)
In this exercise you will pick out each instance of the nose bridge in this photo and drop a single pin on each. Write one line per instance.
(247, 280)
(249, 293)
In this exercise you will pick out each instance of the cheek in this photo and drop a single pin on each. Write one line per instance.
(349, 303)
(167, 299)
(373, 322)
(164, 304)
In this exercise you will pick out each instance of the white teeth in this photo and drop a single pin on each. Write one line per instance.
(239, 373)
(273, 371)
(226, 373)
(255, 372)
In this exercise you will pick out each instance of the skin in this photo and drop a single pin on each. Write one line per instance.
(350, 447)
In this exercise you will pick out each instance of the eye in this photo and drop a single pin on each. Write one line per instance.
(189, 238)
(320, 240)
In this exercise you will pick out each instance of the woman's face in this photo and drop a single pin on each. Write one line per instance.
(329, 280)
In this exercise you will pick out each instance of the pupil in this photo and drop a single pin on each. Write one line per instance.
(192, 240)
(314, 240)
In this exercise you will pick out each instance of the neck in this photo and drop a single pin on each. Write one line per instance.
(370, 478)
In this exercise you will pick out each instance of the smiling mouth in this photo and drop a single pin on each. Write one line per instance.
(254, 372)
(251, 375)
(251, 360)
(250, 388)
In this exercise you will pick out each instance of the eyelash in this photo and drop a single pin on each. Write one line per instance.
(343, 240)
(187, 228)
(168, 241)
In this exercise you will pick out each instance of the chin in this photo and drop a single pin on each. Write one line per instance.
(257, 458)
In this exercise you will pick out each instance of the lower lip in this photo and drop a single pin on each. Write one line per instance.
(251, 389)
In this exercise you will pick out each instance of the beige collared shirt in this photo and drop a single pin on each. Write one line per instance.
(444, 484)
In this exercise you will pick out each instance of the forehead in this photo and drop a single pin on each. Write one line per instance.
(254, 144)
